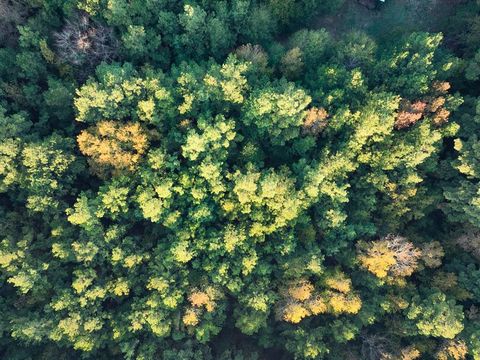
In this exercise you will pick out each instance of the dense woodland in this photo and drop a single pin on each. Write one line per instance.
(239, 179)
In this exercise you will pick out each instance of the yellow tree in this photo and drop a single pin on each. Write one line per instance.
(391, 255)
(112, 146)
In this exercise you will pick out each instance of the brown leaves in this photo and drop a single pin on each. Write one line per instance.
(441, 87)
(469, 241)
(315, 121)
(435, 104)
(200, 300)
(441, 117)
(410, 113)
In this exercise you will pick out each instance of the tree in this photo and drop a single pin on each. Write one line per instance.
(315, 121)
(193, 20)
(261, 25)
(452, 350)
(113, 147)
(120, 95)
(469, 241)
(291, 65)
(277, 111)
(12, 13)
(391, 255)
(313, 44)
(254, 54)
(83, 41)
(412, 65)
(375, 347)
(436, 316)
(236, 214)
(266, 202)
(461, 198)
(356, 49)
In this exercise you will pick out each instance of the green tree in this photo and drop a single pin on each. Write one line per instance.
(436, 316)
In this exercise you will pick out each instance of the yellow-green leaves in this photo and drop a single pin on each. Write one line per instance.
(436, 316)
(233, 238)
(220, 86)
(268, 200)
(121, 95)
(24, 280)
(182, 253)
(214, 139)
(277, 112)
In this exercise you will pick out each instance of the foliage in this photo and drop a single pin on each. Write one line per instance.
(224, 180)
(110, 145)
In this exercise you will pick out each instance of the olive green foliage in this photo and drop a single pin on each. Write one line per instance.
(222, 180)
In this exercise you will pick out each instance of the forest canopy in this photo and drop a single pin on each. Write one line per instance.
(239, 179)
